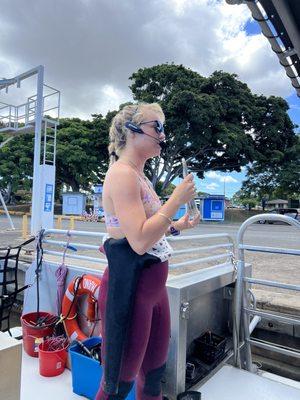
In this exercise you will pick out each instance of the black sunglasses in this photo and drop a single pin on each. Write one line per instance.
(159, 128)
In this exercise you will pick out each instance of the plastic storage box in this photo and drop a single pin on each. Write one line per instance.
(86, 371)
(209, 347)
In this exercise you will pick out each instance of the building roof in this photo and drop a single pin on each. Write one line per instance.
(70, 193)
(278, 201)
(280, 24)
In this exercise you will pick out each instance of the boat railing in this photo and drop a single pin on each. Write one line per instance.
(246, 315)
(58, 239)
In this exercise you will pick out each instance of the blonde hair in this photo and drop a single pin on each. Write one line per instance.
(118, 132)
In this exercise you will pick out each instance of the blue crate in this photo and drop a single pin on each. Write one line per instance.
(86, 372)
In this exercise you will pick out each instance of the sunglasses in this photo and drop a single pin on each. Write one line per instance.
(159, 128)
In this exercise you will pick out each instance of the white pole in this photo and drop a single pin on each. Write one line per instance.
(6, 212)
(36, 202)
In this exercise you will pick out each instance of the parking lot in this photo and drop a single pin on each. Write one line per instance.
(281, 268)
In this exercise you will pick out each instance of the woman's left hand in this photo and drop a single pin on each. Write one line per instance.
(186, 223)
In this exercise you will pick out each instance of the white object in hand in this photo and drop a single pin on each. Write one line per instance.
(191, 206)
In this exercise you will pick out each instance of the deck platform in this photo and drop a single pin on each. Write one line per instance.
(231, 383)
(36, 387)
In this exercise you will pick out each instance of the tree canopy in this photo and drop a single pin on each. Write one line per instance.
(16, 162)
(215, 122)
(279, 178)
(81, 152)
(81, 156)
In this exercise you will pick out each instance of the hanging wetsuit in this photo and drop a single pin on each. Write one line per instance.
(135, 314)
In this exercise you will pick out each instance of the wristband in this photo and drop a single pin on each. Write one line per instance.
(174, 231)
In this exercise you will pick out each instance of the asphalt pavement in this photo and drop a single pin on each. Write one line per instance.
(281, 268)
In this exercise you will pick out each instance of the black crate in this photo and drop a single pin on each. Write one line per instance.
(189, 395)
(209, 347)
(195, 371)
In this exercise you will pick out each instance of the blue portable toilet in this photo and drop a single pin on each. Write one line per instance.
(180, 212)
(73, 203)
(213, 208)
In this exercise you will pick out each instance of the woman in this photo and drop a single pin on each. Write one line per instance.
(135, 218)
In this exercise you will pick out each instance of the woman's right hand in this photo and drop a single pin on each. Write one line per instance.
(185, 191)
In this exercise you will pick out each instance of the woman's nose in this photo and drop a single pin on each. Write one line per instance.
(162, 136)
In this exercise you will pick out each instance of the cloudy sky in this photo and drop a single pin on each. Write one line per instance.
(90, 47)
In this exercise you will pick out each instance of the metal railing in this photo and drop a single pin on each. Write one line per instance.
(22, 116)
(70, 234)
(242, 307)
(16, 117)
(227, 256)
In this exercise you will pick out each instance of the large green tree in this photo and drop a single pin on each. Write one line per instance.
(279, 178)
(275, 172)
(81, 152)
(81, 156)
(16, 160)
(214, 122)
(206, 119)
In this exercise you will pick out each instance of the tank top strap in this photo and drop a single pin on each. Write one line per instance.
(144, 181)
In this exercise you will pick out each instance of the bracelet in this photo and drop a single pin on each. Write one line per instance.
(163, 215)
(174, 231)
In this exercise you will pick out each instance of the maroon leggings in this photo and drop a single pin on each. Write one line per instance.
(147, 343)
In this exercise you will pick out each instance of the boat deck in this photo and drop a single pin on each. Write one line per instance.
(228, 383)
(34, 386)
(231, 383)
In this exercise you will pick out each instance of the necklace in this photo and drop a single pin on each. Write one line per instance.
(146, 180)
(135, 168)
(148, 183)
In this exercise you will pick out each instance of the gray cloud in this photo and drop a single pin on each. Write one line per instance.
(91, 47)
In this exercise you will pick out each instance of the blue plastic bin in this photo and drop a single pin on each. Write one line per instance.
(180, 213)
(86, 372)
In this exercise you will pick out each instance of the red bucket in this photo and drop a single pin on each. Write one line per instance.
(34, 335)
(52, 363)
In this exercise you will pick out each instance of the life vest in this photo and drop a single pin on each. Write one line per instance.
(86, 285)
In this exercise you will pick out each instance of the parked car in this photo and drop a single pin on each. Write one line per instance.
(289, 212)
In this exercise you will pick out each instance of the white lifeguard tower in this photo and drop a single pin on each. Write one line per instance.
(38, 113)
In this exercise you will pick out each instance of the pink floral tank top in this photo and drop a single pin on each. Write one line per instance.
(152, 204)
(150, 201)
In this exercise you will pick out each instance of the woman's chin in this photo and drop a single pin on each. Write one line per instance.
(156, 152)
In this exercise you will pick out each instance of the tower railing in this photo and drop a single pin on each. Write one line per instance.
(21, 117)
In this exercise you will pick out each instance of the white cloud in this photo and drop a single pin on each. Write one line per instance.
(295, 107)
(113, 96)
(212, 175)
(228, 179)
(212, 186)
(91, 47)
(219, 177)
